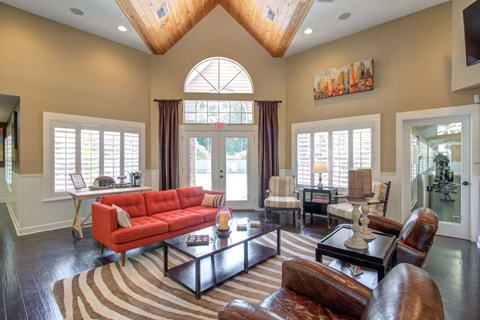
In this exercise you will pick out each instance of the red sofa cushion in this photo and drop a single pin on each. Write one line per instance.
(161, 201)
(190, 196)
(209, 213)
(142, 227)
(179, 219)
(133, 203)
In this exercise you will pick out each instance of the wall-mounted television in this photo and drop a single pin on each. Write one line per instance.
(471, 23)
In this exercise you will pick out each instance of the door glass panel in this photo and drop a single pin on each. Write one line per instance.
(236, 167)
(438, 177)
(200, 150)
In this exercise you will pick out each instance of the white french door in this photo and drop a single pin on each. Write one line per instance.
(220, 160)
(445, 166)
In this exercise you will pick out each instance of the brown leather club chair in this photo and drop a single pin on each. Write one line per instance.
(311, 290)
(414, 236)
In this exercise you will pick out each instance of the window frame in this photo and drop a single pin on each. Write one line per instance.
(51, 120)
(350, 123)
(197, 69)
(243, 114)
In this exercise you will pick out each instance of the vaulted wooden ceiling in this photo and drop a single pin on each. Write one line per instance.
(162, 34)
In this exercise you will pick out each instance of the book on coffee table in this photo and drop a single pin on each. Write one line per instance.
(355, 270)
(198, 239)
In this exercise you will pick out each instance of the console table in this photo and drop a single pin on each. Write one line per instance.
(316, 200)
(79, 195)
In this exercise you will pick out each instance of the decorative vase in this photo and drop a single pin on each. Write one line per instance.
(365, 232)
(356, 241)
(223, 221)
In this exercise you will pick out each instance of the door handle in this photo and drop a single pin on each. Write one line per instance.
(465, 183)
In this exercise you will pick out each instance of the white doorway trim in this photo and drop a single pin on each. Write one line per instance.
(402, 158)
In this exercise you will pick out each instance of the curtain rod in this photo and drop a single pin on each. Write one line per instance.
(160, 100)
(278, 101)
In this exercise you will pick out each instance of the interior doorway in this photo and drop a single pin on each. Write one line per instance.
(436, 167)
(440, 158)
(220, 160)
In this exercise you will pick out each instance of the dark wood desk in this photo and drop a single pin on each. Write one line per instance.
(378, 256)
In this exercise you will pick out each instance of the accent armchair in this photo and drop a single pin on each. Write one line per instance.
(414, 237)
(377, 204)
(282, 196)
(311, 290)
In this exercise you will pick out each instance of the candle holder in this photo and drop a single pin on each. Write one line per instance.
(356, 241)
(223, 221)
(365, 232)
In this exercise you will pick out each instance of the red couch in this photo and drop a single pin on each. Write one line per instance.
(155, 216)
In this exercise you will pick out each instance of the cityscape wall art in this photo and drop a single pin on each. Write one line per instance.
(350, 78)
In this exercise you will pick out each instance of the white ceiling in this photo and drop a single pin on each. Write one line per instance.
(103, 16)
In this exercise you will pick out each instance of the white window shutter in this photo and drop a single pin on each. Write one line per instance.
(303, 158)
(64, 158)
(131, 152)
(111, 154)
(90, 155)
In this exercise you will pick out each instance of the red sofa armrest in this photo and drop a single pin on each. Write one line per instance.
(104, 222)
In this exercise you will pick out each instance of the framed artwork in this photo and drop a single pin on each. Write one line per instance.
(78, 181)
(350, 78)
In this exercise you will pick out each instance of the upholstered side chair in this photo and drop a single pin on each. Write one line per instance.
(414, 237)
(282, 196)
(377, 204)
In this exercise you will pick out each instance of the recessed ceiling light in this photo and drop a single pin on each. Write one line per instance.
(122, 28)
(76, 11)
(308, 31)
(344, 16)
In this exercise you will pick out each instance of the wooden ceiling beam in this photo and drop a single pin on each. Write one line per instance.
(161, 35)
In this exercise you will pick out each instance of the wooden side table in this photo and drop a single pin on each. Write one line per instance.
(316, 200)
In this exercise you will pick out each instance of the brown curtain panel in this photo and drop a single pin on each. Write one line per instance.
(168, 143)
(267, 145)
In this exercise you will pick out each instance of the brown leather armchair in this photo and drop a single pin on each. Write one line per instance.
(414, 237)
(311, 290)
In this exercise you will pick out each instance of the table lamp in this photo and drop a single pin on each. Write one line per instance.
(320, 167)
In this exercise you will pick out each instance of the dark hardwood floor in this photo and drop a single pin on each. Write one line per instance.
(30, 264)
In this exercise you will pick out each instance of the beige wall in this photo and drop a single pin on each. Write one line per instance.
(412, 63)
(218, 34)
(59, 69)
(56, 68)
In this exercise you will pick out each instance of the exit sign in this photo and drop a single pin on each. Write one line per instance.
(218, 126)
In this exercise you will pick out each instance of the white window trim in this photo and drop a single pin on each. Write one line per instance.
(194, 69)
(372, 120)
(50, 119)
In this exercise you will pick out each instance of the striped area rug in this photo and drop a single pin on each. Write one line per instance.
(140, 291)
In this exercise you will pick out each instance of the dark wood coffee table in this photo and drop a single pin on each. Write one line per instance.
(222, 259)
(378, 256)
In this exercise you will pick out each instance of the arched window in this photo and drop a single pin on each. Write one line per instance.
(218, 75)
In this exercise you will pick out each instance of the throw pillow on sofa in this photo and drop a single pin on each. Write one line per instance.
(123, 218)
(212, 200)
